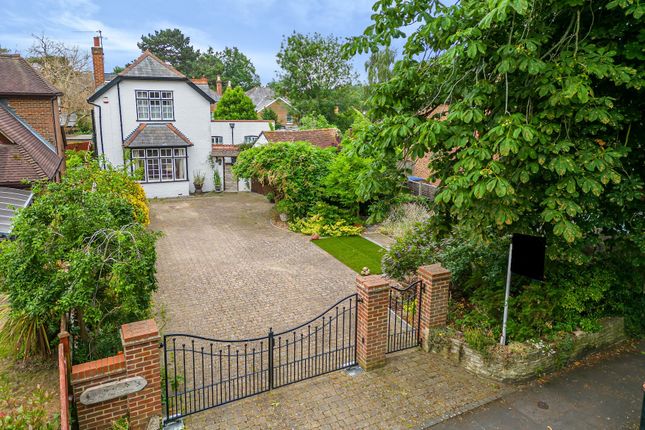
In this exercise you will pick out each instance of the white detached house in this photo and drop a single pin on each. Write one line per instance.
(157, 118)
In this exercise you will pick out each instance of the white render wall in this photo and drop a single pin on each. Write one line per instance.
(242, 128)
(192, 118)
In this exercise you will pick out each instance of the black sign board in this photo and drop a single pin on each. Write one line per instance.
(528, 256)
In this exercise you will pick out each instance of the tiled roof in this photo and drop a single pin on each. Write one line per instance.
(205, 88)
(17, 77)
(24, 154)
(150, 66)
(225, 150)
(156, 136)
(322, 137)
(262, 97)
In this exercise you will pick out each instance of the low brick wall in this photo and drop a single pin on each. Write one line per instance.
(520, 362)
(138, 364)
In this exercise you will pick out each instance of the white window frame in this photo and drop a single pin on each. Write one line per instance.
(151, 158)
(155, 105)
(250, 139)
(217, 140)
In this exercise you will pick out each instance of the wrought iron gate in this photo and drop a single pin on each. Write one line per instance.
(201, 373)
(404, 317)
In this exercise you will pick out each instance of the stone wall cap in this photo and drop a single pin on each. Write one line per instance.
(433, 270)
(373, 281)
(139, 330)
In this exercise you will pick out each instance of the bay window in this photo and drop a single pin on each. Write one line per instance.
(159, 164)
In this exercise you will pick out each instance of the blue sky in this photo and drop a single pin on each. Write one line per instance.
(254, 26)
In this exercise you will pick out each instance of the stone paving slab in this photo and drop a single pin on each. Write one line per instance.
(414, 390)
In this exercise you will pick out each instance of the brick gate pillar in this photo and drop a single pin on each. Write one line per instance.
(371, 342)
(434, 299)
(141, 351)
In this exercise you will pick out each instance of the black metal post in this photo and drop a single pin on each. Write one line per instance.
(270, 350)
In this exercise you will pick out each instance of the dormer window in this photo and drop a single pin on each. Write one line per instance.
(155, 105)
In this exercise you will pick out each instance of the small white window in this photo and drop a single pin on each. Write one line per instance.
(217, 139)
(152, 152)
(180, 152)
(166, 152)
(250, 139)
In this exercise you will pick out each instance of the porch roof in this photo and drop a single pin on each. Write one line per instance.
(156, 136)
(225, 150)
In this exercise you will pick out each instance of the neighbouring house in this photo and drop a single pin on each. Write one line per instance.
(157, 121)
(321, 137)
(419, 180)
(265, 98)
(31, 139)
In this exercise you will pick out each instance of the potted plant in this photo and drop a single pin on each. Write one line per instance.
(198, 181)
(217, 181)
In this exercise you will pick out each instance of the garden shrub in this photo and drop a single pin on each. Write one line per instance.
(316, 224)
(573, 296)
(403, 218)
(81, 248)
(17, 414)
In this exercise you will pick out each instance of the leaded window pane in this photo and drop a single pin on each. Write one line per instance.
(180, 152)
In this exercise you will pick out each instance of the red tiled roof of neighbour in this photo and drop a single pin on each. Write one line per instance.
(24, 154)
(19, 78)
(219, 150)
(322, 137)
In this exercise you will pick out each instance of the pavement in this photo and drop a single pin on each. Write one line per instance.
(604, 392)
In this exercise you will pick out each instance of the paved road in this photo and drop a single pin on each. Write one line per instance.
(603, 395)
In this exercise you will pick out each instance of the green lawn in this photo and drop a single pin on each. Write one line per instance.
(354, 252)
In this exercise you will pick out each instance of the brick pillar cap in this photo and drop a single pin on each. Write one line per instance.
(433, 271)
(139, 330)
(372, 281)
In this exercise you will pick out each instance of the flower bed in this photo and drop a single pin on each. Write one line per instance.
(518, 362)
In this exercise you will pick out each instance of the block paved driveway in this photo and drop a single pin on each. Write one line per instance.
(224, 271)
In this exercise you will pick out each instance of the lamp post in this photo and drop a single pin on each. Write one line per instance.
(232, 125)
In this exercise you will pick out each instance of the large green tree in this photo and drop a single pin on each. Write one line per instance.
(238, 68)
(544, 129)
(173, 46)
(314, 75)
(545, 121)
(234, 104)
(379, 65)
(81, 248)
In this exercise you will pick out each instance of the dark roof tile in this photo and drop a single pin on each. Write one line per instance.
(17, 77)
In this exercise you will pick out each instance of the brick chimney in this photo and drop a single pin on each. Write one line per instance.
(218, 87)
(200, 81)
(97, 62)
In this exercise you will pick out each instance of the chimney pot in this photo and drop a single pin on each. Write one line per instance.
(218, 86)
(97, 41)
